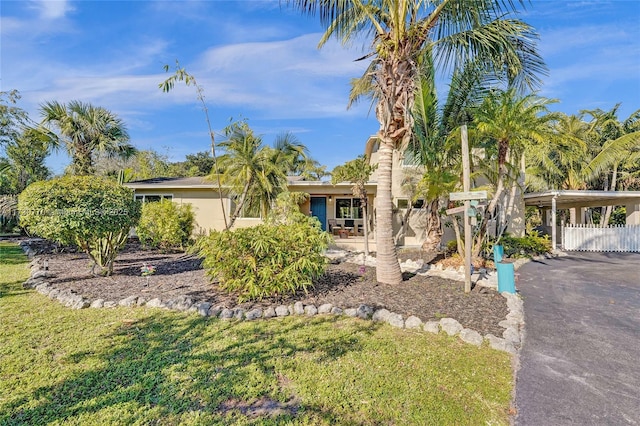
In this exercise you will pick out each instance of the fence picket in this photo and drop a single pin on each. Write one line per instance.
(617, 238)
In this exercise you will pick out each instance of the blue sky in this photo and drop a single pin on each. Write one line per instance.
(259, 61)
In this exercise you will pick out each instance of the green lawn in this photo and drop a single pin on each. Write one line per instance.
(149, 366)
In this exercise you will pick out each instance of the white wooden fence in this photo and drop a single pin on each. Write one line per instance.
(594, 238)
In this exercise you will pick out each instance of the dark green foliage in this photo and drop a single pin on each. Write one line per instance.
(530, 245)
(165, 225)
(198, 164)
(619, 216)
(452, 246)
(92, 213)
(8, 213)
(26, 156)
(265, 260)
(12, 118)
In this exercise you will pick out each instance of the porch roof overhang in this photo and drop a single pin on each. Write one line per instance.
(326, 188)
(565, 199)
(171, 183)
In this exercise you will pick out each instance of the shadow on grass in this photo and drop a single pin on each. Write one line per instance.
(11, 254)
(168, 366)
(12, 289)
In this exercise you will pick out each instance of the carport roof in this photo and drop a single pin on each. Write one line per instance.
(576, 198)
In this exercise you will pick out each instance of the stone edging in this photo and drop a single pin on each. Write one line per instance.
(509, 342)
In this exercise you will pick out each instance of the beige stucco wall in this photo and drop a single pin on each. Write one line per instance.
(204, 202)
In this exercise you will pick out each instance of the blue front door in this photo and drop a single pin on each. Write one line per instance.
(319, 210)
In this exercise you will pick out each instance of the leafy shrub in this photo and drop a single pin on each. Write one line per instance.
(92, 213)
(265, 260)
(286, 209)
(165, 225)
(530, 245)
(452, 247)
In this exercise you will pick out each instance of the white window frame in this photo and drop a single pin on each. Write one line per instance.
(352, 208)
(143, 197)
(418, 204)
(242, 215)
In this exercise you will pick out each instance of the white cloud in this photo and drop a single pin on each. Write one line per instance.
(588, 37)
(52, 9)
(281, 78)
(10, 25)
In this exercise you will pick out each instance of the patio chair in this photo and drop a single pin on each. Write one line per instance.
(349, 225)
(334, 227)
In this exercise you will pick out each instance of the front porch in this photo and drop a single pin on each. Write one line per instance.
(352, 243)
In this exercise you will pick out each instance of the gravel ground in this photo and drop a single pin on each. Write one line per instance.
(343, 285)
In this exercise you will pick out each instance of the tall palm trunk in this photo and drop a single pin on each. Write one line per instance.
(387, 266)
(503, 154)
(434, 230)
(609, 209)
(82, 162)
(396, 82)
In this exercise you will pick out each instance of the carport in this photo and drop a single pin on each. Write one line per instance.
(577, 201)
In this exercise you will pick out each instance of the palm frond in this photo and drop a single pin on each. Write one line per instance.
(614, 152)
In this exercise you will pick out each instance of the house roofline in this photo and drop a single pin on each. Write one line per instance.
(201, 183)
(581, 198)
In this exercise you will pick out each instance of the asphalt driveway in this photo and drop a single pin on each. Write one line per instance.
(580, 361)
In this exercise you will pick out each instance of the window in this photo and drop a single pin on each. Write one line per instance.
(403, 203)
(152, 198)
(249, 211)
(348, 208)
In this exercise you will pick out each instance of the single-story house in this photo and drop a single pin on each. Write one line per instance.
(336, 207)
(333, 205)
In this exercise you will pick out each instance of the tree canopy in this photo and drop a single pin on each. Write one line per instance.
(84, 131)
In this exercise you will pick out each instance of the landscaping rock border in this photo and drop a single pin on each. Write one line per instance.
(509, 342)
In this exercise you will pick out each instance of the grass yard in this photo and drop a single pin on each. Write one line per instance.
(150, 366)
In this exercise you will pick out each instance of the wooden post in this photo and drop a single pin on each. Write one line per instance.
(466, 185)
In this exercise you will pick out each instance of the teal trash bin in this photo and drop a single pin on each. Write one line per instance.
(506, 271)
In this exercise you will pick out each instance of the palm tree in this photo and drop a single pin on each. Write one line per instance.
(401, 31)
(256, 173)
(85, 131)
(505, 124)
(508, 123)
(559, 161)
(620, 148)
(290, 153)
(435, 143)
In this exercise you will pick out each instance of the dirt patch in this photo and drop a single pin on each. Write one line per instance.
(345, 285)
(260, 407)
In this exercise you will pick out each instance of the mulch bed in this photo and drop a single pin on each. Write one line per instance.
(343, 285)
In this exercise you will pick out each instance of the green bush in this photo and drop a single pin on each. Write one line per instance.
(530, 245)
(265, 260)
(452, 247)
(165, 225)
(92, 213)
